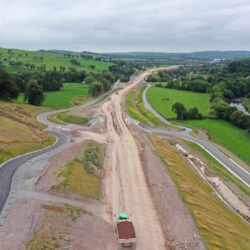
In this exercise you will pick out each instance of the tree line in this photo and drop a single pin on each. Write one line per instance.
(33, 84)
(222, 82)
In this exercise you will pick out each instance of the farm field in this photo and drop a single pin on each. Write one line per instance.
(226, 134)
(49, 59)
(218, 226)
(162, 100)
(64, 97)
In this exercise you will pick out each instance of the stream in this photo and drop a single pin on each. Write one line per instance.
(237, 102)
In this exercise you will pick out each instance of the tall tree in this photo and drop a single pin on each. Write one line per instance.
(34, 93)
(8, 88)
(180, 110)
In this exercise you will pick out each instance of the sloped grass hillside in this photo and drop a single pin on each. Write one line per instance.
(49, 59)
(218, 226)
(20, 132)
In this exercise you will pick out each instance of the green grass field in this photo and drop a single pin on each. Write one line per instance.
(50, 60)
(62, 98)
(246, 104)
(226, 134)
(162, 100)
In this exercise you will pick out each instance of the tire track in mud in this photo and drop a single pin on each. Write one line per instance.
(126, 188)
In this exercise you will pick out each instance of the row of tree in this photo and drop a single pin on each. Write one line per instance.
(33, 92)
(184, 114)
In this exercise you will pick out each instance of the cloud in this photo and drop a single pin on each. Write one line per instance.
(119, 25)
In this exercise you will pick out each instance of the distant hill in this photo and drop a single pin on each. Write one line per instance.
(226, 55)
(58, 52)
(60, 60)
(67, 52)
(202, 55)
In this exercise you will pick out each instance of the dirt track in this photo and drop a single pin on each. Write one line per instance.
(126, 188)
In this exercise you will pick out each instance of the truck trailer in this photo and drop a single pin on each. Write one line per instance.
(125, 231)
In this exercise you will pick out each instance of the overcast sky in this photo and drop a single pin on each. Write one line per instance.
(125, 25)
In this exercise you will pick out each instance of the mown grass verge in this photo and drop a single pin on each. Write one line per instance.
(74, 119)
(219, 227)
(231, 137)
(82, 176)
(132, 110)
(53, 118)
(150, 116)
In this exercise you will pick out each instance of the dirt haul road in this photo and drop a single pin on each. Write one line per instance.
(126, 188)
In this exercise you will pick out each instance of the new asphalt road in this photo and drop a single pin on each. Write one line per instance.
(228, 163)
(8, 169)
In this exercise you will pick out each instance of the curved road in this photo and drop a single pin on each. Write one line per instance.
(8, 168)
(228, 163)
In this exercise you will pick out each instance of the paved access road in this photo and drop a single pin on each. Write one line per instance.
(9, 168)
(228, 163)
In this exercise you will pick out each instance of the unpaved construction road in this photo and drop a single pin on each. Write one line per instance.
(126, 188)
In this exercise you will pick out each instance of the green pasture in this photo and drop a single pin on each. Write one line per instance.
(162, 100)
(62, 98)
(231, 137)
(50, 60)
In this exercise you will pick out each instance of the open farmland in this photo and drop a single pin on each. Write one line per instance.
(49, 59)
(226, 134)
(64, 97)
(162, 100)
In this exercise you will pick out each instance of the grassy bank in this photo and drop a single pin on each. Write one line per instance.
(74, 119)
(82, 176)
(69, 94)
(217, 168)
(20, 132)
(231, 137)
(218, 226)
(132, 111)
(163, 99)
